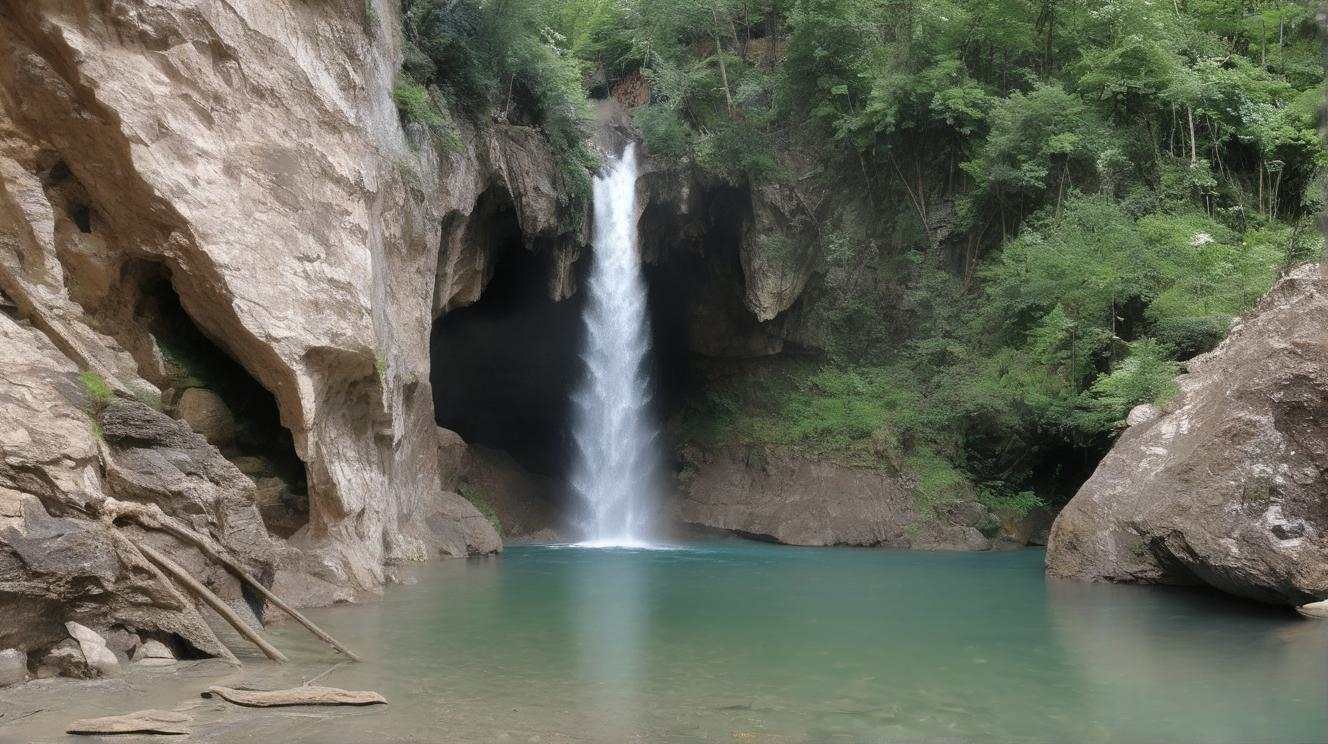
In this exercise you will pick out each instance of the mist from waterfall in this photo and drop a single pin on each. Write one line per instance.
(617, 440)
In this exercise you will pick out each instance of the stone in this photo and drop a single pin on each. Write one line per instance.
(307, 695)
(65, 660)
(1225, 487)
(207, 414)
(1142, 414)
(1316, 610)
(153, 649)
(123, 642)
(140, 722)
(13, 667)
(94, 648)
(778, 494)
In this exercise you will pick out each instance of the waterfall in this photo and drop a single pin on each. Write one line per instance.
(617, 460)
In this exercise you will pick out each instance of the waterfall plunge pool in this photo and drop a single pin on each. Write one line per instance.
(739, 641)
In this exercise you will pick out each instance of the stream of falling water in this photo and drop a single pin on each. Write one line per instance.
(617, 457)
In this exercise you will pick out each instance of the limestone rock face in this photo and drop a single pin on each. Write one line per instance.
(1227, 487)
(56, 564)
(207, 414)
(780, 495)
(251, 156)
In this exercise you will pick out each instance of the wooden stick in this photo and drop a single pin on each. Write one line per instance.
(146, 517)
(225, 653)
(213, 601)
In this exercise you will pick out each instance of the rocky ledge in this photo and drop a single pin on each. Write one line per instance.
(1227, 485)
(777, 494)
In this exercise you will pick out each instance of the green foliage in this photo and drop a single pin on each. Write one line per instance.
(1146, 376)
(504, 56)
(380, 367)
(476, 496)
(99, 393)
(416, 104)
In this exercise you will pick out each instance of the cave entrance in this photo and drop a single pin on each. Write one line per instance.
(216, 395)
(503, 368)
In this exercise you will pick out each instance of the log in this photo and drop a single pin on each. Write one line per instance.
(220, 647)
(139, 722)
(306, 695)
(159, 520)
(213, 601)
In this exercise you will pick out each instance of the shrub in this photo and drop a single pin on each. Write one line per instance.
(475, 495)
(98, 391)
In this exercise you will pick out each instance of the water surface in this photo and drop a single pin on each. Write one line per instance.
(751, 642)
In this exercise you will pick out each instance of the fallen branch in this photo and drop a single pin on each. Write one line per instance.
(312, 680)
(213, 601)
(153, 518)
(220, 647)
(295, 696)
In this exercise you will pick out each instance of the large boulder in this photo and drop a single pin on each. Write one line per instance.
(207, 414)
(1227, 487)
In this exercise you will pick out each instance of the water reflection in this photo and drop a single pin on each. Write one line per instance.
(610, 609)
(1167, 664)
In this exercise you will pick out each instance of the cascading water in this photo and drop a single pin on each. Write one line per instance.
(617, 458)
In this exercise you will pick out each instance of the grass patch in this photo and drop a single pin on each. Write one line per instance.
(98, 391)
(380, 366)
(475, 495)
(416, 104)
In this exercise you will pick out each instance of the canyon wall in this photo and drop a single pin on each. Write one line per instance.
(237, 169)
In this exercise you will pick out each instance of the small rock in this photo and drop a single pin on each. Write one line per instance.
(13, 667)
(122, 642)
(153, 650)
(207, 414)
(1316, 610)
(65, 660)
(1141, 414)
(138, 722)
(94, 648)
(252, 466)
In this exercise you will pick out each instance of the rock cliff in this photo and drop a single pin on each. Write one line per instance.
(245, 161)
(1227, 486)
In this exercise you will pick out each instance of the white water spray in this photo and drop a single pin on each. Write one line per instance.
(617, 458)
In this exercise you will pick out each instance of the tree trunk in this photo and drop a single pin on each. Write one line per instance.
(723, 69)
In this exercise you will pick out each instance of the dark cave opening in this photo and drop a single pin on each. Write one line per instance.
(504, 368)
(260, 446)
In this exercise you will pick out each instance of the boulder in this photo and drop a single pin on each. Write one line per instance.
(1227, 486)
(207, 414)
(13, 667)
(94, 648)
(153, 649)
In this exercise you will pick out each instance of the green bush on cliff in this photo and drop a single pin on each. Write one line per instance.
(99, 393)
(504, 58)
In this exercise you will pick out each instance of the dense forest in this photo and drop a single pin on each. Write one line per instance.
(1039, 208)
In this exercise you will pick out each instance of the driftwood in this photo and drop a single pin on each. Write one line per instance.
(140, 722)
(153, 518)
(306, 695)
(129, 545)
(213, 601)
